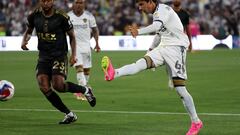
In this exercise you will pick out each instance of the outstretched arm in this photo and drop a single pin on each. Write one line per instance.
(154, 27)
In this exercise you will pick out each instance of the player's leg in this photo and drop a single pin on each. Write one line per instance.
(83, 72)
(130, 69)
(188, 103)
(133, 68)
(170, 81)
(80, 75)
(44, 78)
(87, 74)
(87, 65)
(81, 81)
(175, 58)
(59, 73)
(53, 98)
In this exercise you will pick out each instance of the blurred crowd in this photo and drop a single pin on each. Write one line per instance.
(217, 17)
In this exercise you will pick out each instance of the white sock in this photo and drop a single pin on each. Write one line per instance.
(87, 78)
(188, 103)
(81, 79)
(131, 68)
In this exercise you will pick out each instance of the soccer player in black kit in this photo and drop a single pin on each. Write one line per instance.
(51, 26)
(184, 17)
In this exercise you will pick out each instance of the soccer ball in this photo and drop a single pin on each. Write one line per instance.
(6, 90)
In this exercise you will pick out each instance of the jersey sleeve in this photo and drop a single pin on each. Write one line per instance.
(92, 22)
(67, 24)
(162, 14)
(30, 20)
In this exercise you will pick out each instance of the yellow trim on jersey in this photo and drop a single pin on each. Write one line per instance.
(61, 12)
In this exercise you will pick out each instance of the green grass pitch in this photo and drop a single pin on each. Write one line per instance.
(133, 105)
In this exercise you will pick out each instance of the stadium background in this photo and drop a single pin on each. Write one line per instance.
(134, 105)
(217, 17)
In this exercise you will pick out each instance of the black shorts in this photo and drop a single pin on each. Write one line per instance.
(53, 66)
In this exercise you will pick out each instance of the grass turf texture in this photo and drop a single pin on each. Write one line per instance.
(213, 81)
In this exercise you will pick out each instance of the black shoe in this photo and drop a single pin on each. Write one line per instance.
(68, 119)
(90, 97)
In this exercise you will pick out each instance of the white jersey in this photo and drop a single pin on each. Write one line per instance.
(82, 27)
(171, 32)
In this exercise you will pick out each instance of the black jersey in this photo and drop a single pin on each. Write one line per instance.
(184, 17)
(51, 32)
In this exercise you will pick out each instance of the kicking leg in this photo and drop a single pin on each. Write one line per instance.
(131, 69)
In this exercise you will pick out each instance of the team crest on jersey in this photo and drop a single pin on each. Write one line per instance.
(85, 20)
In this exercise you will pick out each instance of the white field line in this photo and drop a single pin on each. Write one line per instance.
(124, 112)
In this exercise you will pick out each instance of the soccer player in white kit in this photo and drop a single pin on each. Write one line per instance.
(85, 27)
(170, 52)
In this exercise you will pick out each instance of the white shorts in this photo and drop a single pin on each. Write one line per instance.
(174, 57)
(84, 59)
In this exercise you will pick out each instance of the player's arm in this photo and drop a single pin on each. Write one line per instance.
(156, 41)
(72, 40)
(28, 33)
(155, 26)
(188, 32)
(95, 34)
(159, 18)
(26, 37)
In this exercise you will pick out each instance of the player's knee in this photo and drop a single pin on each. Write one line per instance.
(44, 88)
(58, 86)
(149, 62)
(86, 71)
(177, 81)
(79, 69)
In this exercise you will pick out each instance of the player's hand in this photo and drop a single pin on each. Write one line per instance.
(72, 60)
(24, 46)
(190, 47)
(134, 30)
(97, 49)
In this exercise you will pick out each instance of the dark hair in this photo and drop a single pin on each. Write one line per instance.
(155, 1)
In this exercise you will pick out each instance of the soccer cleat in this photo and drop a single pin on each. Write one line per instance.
(108, 69)
(80, 96)
(68, 119)
(195, 128)
(90, 97)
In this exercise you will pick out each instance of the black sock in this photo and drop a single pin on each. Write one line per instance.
(56, 101)
(74, 88)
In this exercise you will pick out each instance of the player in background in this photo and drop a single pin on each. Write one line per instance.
(85, 27)
(184, 17)
(170, 52)
(51, 26)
